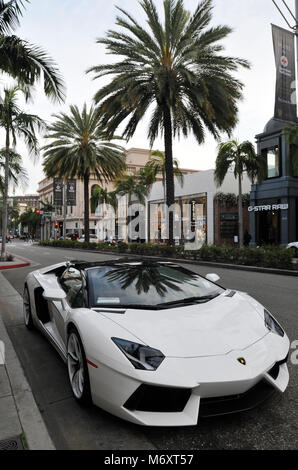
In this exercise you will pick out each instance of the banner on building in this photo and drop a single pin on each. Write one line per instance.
(58, 192)
(71, 194)
(285, 98)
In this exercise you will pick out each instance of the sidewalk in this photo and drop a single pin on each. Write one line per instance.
(17, 262)
(21, 424)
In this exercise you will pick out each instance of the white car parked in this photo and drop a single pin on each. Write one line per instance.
(92, 239)
(294, 247)
(154, 343)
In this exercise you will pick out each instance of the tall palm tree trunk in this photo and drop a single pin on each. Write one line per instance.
(240, 213)
(170, 190)
(5, 197)
(86, 204)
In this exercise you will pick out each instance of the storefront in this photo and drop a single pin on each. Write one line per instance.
(197, 218)
(274, 203)
(190, 221)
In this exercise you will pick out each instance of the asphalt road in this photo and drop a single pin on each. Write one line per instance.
(273, 425)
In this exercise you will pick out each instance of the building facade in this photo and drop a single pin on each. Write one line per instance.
(274, 203)
(100, 221)
(196, 210)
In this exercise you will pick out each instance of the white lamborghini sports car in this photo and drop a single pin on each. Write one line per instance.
(155, 343)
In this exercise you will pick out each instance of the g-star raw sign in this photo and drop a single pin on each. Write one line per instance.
(274, 207)
(285, 99)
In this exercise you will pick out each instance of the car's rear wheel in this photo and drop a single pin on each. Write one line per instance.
(27, 310)
(77, 368)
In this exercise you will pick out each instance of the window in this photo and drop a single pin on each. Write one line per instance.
(273, 163)
(228, 225)
(147, 285)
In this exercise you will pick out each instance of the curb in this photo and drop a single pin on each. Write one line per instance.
(237, 267)
(13, 266)
(24, 413)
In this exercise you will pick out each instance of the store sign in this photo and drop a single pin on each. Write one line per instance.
(284, 50)
(273, 207)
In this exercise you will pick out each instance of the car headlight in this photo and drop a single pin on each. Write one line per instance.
(141, 357)
(272, 324)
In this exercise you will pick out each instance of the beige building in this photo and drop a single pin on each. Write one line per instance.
(136, 160)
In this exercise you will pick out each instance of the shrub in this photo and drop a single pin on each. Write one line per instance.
(267, 256)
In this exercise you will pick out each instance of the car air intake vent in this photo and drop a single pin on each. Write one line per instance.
(106, 310)
(231, 293)
(158, 399)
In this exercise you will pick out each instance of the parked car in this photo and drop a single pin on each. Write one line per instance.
(155, 343)
(73, 236)
(294, 247)
(92, 238)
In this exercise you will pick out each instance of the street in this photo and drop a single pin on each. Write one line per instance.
(271, 426)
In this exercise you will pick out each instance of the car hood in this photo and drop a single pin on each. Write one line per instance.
(210, 329)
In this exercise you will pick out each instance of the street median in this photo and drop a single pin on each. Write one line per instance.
(268, 257)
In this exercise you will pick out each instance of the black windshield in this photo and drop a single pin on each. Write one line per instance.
(137, 285)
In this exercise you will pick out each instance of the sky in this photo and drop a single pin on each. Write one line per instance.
(67, 30)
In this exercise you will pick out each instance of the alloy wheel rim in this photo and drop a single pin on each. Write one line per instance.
(75, 365)
(26, 308)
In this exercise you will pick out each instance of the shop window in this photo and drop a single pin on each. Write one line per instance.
(228, 225)
(273, 162)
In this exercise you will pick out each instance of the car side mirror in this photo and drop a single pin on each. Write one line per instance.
(213, 277)
(54, 295)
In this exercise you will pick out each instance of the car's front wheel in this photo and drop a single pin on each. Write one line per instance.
(77, 368)
(27, 310)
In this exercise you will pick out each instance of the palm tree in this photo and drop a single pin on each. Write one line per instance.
(101, 196)
(135, 188)
(25, 62)
(79, 148)
(178, 68)
(16, 123)
(157, 165)
(242, 158)
(18, 175)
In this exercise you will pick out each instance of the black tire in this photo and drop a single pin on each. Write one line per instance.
(80, 388)
(27, 310)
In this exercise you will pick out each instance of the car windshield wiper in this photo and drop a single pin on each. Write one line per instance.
(189, 300)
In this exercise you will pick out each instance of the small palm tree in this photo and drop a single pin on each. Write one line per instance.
(101, 196)
(16, 124)
(25, 62)
(177, 69)
(78, 149)
(18, 175)
(134, 187)
(157, 165)
(243, 158)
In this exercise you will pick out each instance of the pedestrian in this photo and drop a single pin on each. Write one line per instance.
(246, 238)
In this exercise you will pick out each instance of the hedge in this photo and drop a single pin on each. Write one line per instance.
(268, 256)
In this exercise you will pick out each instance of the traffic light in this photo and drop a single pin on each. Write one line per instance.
(56, 224)
(37, 211)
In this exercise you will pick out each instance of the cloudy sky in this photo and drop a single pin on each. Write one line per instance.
(68, 29)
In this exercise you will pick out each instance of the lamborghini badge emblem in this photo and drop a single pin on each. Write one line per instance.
(242, 361)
